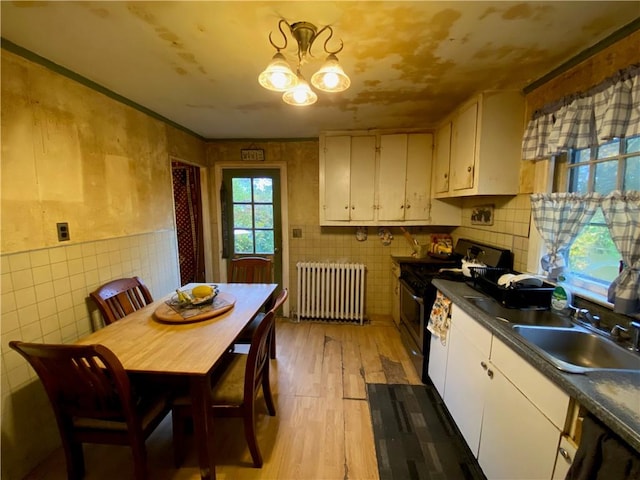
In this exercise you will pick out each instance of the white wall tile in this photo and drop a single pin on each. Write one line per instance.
(19, 261)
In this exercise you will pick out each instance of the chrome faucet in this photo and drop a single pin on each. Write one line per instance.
(635, 337)
(586, 316)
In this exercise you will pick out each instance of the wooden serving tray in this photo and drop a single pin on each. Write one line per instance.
(222, 303)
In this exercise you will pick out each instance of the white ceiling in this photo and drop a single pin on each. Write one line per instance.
(196, 63)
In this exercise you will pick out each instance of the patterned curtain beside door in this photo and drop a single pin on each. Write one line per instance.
(188, 212)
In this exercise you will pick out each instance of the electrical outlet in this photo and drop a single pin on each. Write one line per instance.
(63, 231)
(297, 233)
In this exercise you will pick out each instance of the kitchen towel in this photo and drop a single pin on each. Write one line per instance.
(440, 317)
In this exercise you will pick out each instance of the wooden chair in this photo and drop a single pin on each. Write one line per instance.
(251, 270)
(234, 390)
(247, 334)
(94, 401)
(118, 298)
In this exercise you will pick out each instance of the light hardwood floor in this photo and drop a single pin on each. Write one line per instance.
(322, 430)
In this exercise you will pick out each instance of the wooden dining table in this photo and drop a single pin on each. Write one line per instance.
(145, 344)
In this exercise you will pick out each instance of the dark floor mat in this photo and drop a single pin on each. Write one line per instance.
(415, 437)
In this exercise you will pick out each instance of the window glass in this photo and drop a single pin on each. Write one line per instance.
(579, 179)
(242, 241)
(263, 190)
(609, 150)
(264, 241)
(632, 174)
(241, 190)
(606, 177)
(593, 259)
(242, 216)
(253, 215)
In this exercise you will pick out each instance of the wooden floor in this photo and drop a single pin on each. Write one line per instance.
(322, 429)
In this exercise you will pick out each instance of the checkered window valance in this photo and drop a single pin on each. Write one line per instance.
(610, 110)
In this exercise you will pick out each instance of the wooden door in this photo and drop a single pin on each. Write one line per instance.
(442, 158)
(418, 185)
(392, 177)
(463, 148)
(335, 182)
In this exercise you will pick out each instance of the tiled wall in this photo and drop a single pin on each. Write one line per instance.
(45, 299)
(339, 244)
(510, 230)
(510, 227)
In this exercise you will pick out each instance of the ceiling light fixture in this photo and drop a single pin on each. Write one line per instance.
(279, 77)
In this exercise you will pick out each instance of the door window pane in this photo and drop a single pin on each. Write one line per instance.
(242, 216)
(241, 190)
(264, 216)
(610, 149)
(262, 190)
(606, 177)
(242, 241)
(264, 241)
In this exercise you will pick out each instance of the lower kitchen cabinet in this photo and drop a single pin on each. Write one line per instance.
(510, 415)
(566, 453)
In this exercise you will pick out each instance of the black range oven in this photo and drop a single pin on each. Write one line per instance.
(417, 293)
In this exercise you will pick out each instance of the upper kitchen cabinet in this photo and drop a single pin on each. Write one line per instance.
(347, 179)
(478, 148)
(381, 179)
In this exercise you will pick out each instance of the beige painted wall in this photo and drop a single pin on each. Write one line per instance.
(71, 154)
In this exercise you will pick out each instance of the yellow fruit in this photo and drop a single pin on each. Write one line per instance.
(202, 291)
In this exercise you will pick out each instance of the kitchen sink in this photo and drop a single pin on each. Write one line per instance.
(540, 317)
(576, 350)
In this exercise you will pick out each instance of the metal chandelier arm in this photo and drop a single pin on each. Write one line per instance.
(284, 36)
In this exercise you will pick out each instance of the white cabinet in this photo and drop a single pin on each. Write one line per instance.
(478, 148)
(466, 379)
(442, 156)
(510, 415)
(518, 439)
(381, 179)
(347, 178)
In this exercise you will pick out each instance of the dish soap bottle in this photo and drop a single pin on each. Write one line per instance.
(561, 298)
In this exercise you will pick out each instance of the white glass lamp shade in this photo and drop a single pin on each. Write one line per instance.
(278, 76)
(331, 77)
(300, 95)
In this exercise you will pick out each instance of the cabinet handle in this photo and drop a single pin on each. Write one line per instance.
(446, 175)
(469, 169)
(401, 207)
(408, 207)
(564, 454)
(353, 207)
(490, 373)
(346, 207)
(483, 365)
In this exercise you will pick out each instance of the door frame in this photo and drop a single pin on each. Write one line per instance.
(206, 216)
(284, 214)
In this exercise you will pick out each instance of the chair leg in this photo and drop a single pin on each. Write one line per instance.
(268, 398)
(139, 451)
(249, 419)
(178, 431)
(74, 458)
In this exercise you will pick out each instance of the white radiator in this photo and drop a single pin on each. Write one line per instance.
(331, 291)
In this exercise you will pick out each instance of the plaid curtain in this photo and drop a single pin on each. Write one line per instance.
(609, 110)
(622, 214)
(559, 218)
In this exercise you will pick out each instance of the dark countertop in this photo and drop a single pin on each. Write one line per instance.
(409, 259)
(612, 396)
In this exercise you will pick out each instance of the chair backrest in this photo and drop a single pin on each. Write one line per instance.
(119, 298)
(258, 359)
(251, 270)
(81, 381)
(279, 301)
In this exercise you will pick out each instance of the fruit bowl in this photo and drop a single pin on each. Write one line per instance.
(185, 298)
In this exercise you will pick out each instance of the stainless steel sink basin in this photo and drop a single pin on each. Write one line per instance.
(576, 350)
(520, 316)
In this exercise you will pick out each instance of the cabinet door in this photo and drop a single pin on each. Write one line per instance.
(463, 148)
(337, 180)
(566, 453)
(391, 177)
(518, 441)
(362, 176)
(418, 189)
(441, 159)
(466, 379)
(438, 362)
